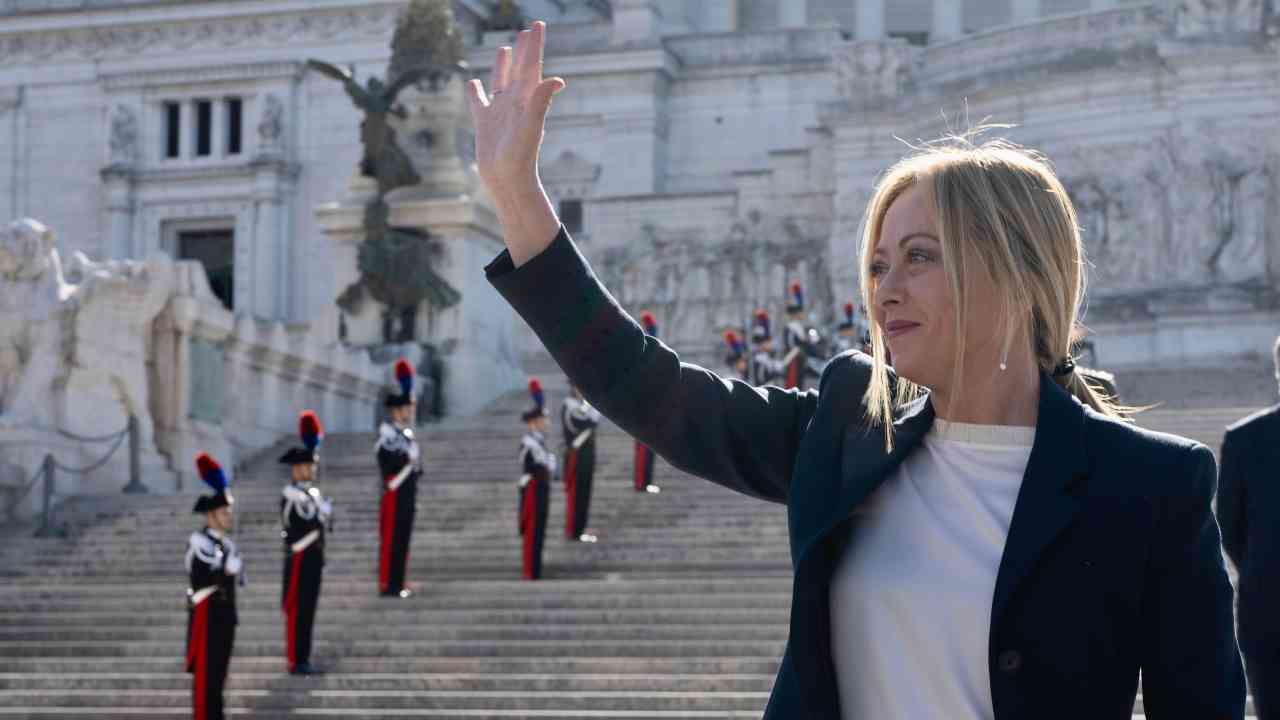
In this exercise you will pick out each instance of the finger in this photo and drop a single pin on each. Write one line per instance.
(549, 87)
(501, 75)
(517, 71)
(529, 54)
(475, 96)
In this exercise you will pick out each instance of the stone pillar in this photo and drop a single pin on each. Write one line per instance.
(793, 13)
(1025, 10)
(269, 242)
(635, 21)
(948, 20)
(118, 186)
(10, 151)
(719, 16)
(869, 19)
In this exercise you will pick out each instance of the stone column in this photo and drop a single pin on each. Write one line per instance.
(793, 13)
(719, 15)
(118, 188)
(270, 281)
(10, 153)
(869, 19)
(635, 21)
(948, 20)
(1025, 10)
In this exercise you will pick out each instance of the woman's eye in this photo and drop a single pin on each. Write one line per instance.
(919, 256)
(878, 269)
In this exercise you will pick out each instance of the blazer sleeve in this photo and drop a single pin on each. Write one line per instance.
(743, 437)
(1231, 496)
(1191, 665)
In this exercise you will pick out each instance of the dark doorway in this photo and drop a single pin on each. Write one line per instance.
(215, 249)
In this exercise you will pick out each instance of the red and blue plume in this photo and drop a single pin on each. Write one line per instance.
(649, 322)
(535, 391)
(310, 430)
(848, 311)
(731, 338)
(797, 293)
(211, 472)
(404, 376)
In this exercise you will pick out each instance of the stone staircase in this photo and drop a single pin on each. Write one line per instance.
(680, 611)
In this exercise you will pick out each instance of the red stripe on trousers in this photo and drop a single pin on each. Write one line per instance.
(530, 516)
(793, 373)
(642, 462)
(387, 524)
(291, 611)
(198, 661)
(571, 491)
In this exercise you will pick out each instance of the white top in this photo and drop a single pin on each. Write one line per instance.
(911, 597)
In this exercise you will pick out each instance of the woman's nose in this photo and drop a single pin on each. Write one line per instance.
(888, 289)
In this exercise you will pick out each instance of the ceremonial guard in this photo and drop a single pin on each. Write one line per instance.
(538, 465)
(795, 339)
(846, 333)
(736, 358)
(580, 420)
(765, 369)
(213, 568)
(642, 477)
(304, 513)
(399, 459)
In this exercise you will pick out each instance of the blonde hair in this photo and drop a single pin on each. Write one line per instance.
(1000, 209)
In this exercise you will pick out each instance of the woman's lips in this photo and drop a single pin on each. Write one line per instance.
(894, 329)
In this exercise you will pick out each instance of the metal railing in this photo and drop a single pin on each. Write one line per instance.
(47, 473)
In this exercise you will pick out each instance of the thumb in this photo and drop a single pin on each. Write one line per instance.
(548, 88)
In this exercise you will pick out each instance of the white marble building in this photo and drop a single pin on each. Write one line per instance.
(707, 152)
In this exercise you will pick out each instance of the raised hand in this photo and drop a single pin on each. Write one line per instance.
(509, 118)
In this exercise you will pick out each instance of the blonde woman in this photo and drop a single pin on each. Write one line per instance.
(975, 533)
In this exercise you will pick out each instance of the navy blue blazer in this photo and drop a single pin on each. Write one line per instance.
(1249, 512)
(1112, 563)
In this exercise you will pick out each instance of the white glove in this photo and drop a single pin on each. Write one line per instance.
(233, 565)
(326, 507)
(551, 464)
(414, 453)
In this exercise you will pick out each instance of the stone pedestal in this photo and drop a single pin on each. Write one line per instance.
(476, 337)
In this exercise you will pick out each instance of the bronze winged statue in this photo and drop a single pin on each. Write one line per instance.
(394, 263)
(384, 159)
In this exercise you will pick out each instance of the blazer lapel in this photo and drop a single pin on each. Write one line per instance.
(1047, 501)
(859, 453)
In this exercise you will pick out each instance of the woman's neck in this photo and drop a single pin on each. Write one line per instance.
(1003, 397)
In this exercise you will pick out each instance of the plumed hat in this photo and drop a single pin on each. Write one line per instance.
(736, 347)
(649, 323)
(539, 408)
(213, 476)
(795, 298)
(847, 322)
(310, 432)
(404, 380)
(760, 327)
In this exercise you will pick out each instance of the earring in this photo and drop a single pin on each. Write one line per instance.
(1004, 360)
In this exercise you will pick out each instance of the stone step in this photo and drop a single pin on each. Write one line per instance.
(348, 616)
(248, 646)
(425, 632)
(273, 667)
(540, 682)
(284, 699)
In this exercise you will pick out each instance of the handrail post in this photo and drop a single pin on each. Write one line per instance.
(135, 486)
(47, 470)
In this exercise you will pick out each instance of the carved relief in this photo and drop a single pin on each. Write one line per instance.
(123, 140)
(1213, 17)
(274, 30)
(868, 73)
(271, 126)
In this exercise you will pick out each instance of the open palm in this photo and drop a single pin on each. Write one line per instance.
(510, 115)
